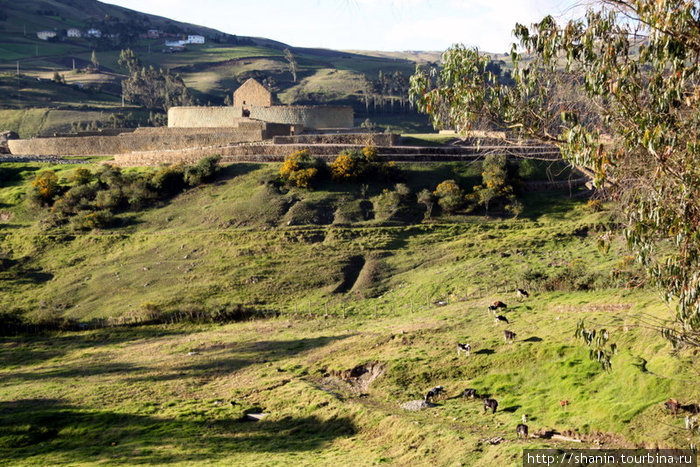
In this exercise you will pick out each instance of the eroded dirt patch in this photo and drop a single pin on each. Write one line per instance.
(359, 378)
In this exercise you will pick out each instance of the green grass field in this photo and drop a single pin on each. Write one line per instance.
(333, 290)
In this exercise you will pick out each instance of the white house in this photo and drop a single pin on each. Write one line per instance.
(92, 32)
(179, 43)
(74, 32)
(45, 35)
(195, 39)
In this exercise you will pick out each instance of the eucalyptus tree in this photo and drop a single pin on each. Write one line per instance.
(618, 91)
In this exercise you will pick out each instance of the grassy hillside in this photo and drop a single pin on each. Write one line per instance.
(332, 285)
(254, 244)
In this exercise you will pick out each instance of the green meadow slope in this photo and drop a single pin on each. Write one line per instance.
(327, 284)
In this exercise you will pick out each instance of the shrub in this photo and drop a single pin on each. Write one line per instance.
(352, 164)
(394, 202)
(449, 195)
(527, 169)
(300, 169)
(81, 176)
(138, 194)
(594, 205)
(111, 199)
(515, 207)
(88, 220)
(427, 199)
(45, 188)
(346, 167)
(109, 175)
(93, 204)
(169, 181)
(370, 153)
(78, 197)
(204, 171)
(387, 203)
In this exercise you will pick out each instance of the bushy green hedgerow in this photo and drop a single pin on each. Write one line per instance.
(91, 200)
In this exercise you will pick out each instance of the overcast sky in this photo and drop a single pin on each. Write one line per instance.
(391, 25)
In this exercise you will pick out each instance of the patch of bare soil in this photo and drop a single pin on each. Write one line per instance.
(359, 378)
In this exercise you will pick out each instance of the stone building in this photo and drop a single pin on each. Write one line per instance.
(252, 93)
(253, 101)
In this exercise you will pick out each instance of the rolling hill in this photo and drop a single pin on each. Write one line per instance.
(211, 70)
(328, 314)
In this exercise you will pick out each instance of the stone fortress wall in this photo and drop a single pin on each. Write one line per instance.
(309, 116)
(203, 117)
(147, 139)
(254, 120)
(306, 116)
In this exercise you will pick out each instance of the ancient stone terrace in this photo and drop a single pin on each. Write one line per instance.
(147, 139)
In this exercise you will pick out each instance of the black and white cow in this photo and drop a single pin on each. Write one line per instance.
(466, 348)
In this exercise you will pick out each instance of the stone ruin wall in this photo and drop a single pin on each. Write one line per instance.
(374, 139)
(264, 153)
(204, 117)
(311, 116)
(150, 139)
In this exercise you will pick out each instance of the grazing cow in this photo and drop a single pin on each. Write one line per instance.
(521, 430)
(490, 404)
(523, 417)
(433, 393)
(466, 348)
(509, 336)
(501, 318)
(469, 392)
(499, 304)
(522, 293)
(692, 408)
(672, 405)
(563, 404)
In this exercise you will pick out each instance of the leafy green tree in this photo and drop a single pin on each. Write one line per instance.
(129, 61)
(497, 178)
(617, 92)
(155, 89)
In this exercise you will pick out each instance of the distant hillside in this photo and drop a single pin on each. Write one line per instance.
(374, 83)
(418, 56)
(28, 17)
